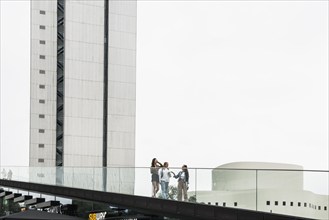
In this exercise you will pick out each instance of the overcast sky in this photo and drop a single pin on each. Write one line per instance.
(217, 82)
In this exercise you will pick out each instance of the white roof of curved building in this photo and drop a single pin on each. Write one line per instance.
(260, 165)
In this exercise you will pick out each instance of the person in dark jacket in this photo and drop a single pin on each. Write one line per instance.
(183, 181)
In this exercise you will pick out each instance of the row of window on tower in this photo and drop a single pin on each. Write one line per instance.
(42, 101)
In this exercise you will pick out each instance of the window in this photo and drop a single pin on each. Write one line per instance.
(216, 203)
(42, 101)
(42, 57)
(41, 116)
(209, 203)
(284, 203)
(299, 204)
(276, 203)
(42, 86)
(42, 27)
(42, 71)
(42, 42)
(291, 203)
(224, 204)
(41, 130)
(319, 207)
(268, 203)
(305, 204)
(235, 204)
(325, 208)
(41, 145)
(42, 12)
(40, 160)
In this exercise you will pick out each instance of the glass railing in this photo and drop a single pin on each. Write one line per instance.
(301, 193)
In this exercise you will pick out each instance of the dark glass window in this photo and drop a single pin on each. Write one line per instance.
(40, 160)
(41, 145)
(42, 86)
(42, 101)
(42, 42)
(42, 27)
(41, 130)
(42, 57)
(305, 204)
(276, 203)
(284, 203)
(42, 12)
(325, 208)
(216, 203)
(42, 71)
(299, 204)
(291, 203)
(41, 116)
(268, 203)
(224, 204)
(235, 204)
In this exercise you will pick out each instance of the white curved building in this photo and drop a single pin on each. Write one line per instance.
(280, 189)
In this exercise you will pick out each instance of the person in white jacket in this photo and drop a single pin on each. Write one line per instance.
(164, 175)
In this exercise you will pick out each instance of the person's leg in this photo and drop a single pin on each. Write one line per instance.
(184, 189)
(167, 189)
(154, 188)
(157, 187)
(163, 189)
(179, 189)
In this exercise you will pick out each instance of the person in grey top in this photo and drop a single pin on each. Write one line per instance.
(155, 166)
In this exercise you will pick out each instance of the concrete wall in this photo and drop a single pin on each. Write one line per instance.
(43, 83)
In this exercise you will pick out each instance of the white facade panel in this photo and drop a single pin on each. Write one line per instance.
(122, 140)
(48, 19)
(122, 40)
(123, 57)
(83, 146)
(122, 90)
(85, 89)
(82, 161)
(84, 70)
(48, 122)
(85, 13)
(48, 93)
(121, 157)
(122, 106)
(119, 73)
(79, 109)
(47, 5)
(48, 137)
(83, 127)
(122, 23)
(49, 78)
(128, 8)
(121, 123)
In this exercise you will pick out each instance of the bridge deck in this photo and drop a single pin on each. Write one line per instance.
(147, 205)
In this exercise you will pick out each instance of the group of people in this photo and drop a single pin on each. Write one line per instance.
(5, 175)
(160, 175)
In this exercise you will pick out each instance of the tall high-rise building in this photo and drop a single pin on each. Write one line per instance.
(83, 83)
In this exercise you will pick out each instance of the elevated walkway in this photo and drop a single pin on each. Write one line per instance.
(147, 205)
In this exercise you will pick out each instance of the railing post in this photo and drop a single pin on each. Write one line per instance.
(195, 182)
(256, 190)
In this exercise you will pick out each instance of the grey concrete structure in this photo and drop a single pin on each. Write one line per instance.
(83, 83)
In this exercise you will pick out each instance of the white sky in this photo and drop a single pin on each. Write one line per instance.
(217, 82)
